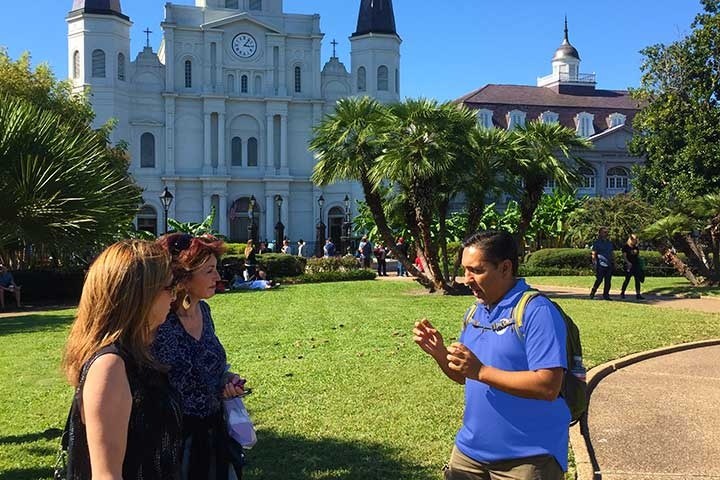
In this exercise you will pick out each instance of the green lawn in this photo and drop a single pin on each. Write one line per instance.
(340, 390)
(652, 285)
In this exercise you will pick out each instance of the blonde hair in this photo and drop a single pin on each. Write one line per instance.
(249, 247)
(631, 238)
(117, 297)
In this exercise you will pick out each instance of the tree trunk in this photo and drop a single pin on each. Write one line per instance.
(374, 202)
(686, 244)
(672, 259)
(475, 213)
(528, 204)
(442, 221)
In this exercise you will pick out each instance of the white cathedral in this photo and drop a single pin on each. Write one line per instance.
(223, 111)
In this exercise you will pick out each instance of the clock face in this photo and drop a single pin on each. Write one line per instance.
(244, 45)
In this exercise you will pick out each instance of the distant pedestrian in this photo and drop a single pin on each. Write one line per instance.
(381, 256)
(633, 269)
(286, 248)
(365, 250)
(603, 262)
(402, 249)
(301, 248)
(250, 260)
(329, 249)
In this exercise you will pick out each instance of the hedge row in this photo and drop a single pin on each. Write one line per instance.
(575, 261)
(332, 264)
(275, 264)
(324, 277)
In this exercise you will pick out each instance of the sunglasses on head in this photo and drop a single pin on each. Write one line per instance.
(182, 241)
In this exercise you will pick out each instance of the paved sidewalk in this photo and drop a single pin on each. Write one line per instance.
(659, 418)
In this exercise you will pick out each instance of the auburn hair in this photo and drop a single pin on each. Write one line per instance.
(116, 301)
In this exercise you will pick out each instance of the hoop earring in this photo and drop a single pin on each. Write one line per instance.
(186, 303)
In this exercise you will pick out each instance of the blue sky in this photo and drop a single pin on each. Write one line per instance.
(450, 47)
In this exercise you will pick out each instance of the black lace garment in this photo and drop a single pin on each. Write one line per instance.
(154, 440)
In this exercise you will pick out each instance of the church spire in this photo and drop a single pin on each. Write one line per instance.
(98, 7)
(376, 16)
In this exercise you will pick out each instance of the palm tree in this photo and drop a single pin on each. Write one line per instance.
(61, 187)
(547, 152)
(426, 145)
(663, 232)
(347, 144)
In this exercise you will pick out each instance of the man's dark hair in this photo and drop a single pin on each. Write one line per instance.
(496, 245)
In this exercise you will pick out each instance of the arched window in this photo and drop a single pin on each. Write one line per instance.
(244, 84)
(549, 117)
(121, 67)
(76, 64)
(588, 178)
(515, 118)
(298, 80)
(98, 64)
(236, 152)
(484, 117)
(615, 119)
(252, 152)
(231, 3)
(617, 179)
(147, 150)
(147, 219)
(382, 78)
(361, 79)
(255, 4)
(239, 218)
(584, 124)
(230, 83)
(258, 85)
(188, 74)
(336, 217)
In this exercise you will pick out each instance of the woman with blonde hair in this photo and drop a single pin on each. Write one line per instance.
(250, 260)
(187, 344)
(125, 419)
(631, 259)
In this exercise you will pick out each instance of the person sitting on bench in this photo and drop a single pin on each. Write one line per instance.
(7, 284)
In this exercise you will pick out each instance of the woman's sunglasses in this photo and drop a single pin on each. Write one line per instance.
(182, 241)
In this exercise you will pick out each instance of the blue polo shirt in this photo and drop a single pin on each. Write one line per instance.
(500, 426)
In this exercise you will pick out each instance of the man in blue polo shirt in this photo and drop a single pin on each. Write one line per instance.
(515, 425)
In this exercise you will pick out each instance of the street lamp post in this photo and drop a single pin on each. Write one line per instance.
(320, 237)
(166, 199)
(346, 228)
(279, 227)
(251, 218)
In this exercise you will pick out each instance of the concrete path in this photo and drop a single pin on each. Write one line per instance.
(659, 418)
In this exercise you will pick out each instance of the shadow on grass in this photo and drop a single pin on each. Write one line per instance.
(284, 457)
(49, 434)
(26, 473)
(33, 323)
(687, 291)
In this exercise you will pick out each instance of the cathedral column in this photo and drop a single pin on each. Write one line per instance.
(170, 135)
(207, 202)
(270, 140)
(601, 181)
(316, 81)
(223, 214)
(282, 67)
(269, 216)
(283, 144)
(169, 59)
(284, 214)
(207, 161)
(222, 161)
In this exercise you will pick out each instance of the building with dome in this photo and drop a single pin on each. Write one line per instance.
(221, 115)
(571, 98)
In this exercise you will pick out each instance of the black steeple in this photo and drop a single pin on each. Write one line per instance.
(376, 16)
(98, 7)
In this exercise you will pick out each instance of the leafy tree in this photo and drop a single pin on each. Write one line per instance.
(622, 214)
(677, 131)
(196, 229)
(549, 226)
(547, 152)
(62, 188)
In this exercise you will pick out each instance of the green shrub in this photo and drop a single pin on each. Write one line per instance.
(336, 276)
(528, 271)
(235, 248)
(577, 261)
(275, 264)
(332, 264)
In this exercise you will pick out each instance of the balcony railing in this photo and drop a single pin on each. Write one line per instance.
(566, 77)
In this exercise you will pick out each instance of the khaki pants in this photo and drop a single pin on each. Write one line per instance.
(542, 467)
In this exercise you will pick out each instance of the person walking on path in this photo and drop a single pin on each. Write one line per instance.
(603, 262)
(365, 250)
(329, 248)
(633, 269)
(301, 248)
(402, 248)
(515, 425)
(381, 256)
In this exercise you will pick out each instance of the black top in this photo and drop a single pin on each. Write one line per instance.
(250, 259)
(154, 431)
(376, 16)
(632, 253)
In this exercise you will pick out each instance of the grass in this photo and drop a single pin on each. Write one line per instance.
(340, 389)
(652, 285)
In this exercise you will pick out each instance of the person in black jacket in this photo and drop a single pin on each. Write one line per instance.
(631, 258)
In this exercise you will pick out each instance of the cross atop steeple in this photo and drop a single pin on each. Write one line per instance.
(334, 44)
(566, 30)
(147, 32)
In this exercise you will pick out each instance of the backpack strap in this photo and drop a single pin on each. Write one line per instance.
(518, 310)
(469, 314)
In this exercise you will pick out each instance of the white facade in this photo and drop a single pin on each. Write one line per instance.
(225, 109)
